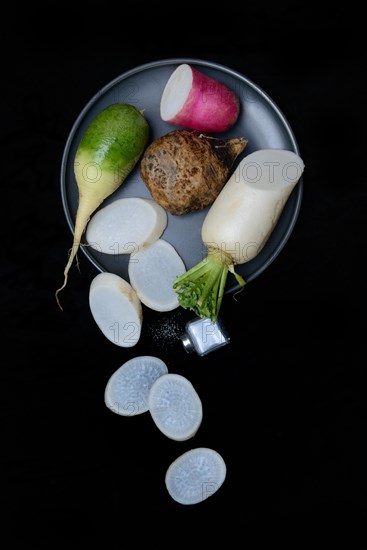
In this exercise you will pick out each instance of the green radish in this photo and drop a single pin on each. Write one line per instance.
(108, 151)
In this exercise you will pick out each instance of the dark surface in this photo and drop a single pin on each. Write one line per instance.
(284, 402)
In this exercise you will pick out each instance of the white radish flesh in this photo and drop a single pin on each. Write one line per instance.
(116, 309)
(195, 476)
(175, 407)
(128, 388)
(126, 225)
(195, 100)
(152, 272)
(246, 211)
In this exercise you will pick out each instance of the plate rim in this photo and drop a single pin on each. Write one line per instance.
(176, 61)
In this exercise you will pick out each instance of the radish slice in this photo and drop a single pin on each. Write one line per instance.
(152, 272)
(116, 309)
(126, 225)
(195, 476)
(194, 100)
(175, 407)
(128, 388)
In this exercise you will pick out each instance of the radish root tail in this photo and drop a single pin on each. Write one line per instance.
(82, 218)
(66, 271)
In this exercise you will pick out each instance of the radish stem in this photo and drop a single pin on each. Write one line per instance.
(201, 289)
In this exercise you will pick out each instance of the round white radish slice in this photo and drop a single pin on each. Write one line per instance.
(194, 100)
(196, 475)
(128, 388)
(116, 309)
(152, 272)
(126, 225)
(175, 407)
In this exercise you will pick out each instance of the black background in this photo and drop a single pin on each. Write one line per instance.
(284, 402)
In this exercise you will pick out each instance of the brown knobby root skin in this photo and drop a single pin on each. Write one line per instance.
(185, 170)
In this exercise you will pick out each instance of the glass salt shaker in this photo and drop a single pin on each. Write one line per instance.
(204, 335)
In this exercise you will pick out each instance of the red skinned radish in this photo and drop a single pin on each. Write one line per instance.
(194, 100)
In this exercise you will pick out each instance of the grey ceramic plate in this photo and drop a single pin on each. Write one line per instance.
(260, 121)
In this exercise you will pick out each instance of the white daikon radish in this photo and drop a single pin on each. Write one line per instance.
(238, 225)
(152, 272)
(175, 407)
(128, 388)
(195, 476)
(126, 225)
(116, 309)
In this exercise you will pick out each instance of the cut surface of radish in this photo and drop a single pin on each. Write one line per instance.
(196, 475)
(176, 92)
(175, 406)
(194, 100)
(128, 388)
(152, 272)
(116, 309)
(126, 225)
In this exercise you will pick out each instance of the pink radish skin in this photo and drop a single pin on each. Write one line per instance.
(197, 101)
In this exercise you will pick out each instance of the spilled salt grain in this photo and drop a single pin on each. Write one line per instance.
(166, 331)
